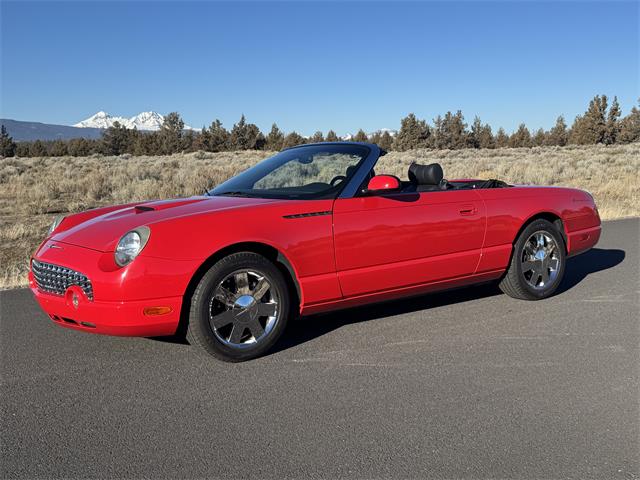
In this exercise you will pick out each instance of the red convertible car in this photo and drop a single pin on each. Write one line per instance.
(308, 230)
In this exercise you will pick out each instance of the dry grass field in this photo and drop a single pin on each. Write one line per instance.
(33, 190)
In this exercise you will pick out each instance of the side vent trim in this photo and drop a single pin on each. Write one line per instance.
(310, 214)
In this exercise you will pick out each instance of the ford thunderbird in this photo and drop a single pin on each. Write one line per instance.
(312, 229)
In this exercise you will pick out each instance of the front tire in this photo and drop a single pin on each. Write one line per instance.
(537, 264)
(239, 308)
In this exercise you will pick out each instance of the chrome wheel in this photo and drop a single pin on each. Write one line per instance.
(540, 260)
(243, 308)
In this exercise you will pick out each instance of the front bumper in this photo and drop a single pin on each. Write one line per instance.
(111, 318)
(120, 295)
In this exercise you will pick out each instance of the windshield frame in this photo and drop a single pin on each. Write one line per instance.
(347, 189)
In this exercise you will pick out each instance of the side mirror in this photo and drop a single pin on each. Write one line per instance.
(383, 183)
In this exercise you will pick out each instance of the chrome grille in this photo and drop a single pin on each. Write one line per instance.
(55, 279)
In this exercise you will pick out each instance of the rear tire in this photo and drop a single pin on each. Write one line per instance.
(239, 308)
(537, 263)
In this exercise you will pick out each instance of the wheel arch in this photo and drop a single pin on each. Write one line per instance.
(268, 251)
(549, 216)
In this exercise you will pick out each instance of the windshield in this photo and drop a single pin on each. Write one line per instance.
(313, 172)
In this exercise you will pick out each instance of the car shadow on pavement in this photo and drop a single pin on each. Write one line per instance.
(592, 261)
(306, 329)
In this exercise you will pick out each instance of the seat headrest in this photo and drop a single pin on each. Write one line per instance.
(426, 174)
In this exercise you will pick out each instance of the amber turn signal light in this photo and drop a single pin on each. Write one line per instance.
(149, 311)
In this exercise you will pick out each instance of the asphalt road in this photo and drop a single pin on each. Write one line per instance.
(466, 384)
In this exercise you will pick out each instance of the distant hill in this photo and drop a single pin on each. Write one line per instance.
(29, 131)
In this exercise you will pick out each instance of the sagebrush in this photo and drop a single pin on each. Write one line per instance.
(34, 190)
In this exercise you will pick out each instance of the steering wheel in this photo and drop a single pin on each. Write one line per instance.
(338, 178)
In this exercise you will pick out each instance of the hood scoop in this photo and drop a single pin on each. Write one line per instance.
(164, 204)
(143, 208)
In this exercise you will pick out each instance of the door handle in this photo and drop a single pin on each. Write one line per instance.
(468, 210)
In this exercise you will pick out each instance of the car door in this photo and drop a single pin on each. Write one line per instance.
(390, 241)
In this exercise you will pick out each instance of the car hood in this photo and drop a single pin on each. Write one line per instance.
(103, 231)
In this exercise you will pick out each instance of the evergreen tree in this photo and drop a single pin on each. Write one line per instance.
(148, 144)
(360, 136)
(37, 149)
(170, 136)
(413, 133)
(244, 136)
(630, 127)
(317, 137)
(502, 139)
(476, 129)
(202, 140)
(521, 138)
(293, 139)
(22, 149)
(591, 128)
(386, 141)
(7, 145)
(540, 138)
(219, 138)
(79, 147)
(613, 126)
(115, 139)
(332, 137)
(481, 135)
(188, 141)
(486, 137)
(275, 139)
(58, 149)
(558, 135)
(451, 131)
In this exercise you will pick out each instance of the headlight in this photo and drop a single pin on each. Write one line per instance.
(56, 223)
(130, 245)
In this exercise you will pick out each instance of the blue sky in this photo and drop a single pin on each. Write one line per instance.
(314, 66)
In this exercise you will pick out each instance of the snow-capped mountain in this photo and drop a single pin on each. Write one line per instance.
(102, 120)
(143, 121)
(393, 133)
(147, 121)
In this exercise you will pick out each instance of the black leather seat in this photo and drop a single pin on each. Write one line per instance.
(427, 177)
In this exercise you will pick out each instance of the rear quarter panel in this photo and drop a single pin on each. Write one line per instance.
(509, 209)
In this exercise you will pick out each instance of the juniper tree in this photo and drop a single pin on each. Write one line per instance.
(502, 139)
(37, 149)
(218, 137)
(7, 145)
(244, 136)
(360, 136)
(115, 139)
(540, 138)
(58, 149)
(612, 128)
(171, 133)
(630, 127)
(386, 141)
(274, 139)
(450, 131)
(293, 139)
(79, 147)
(22, 149)
(481, 136)
(521, 138)
(317, 137)
(332, 137)
(591, 128)
(558, 135)
(413, 133)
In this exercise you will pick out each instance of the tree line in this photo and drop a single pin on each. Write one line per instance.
(601, 123)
